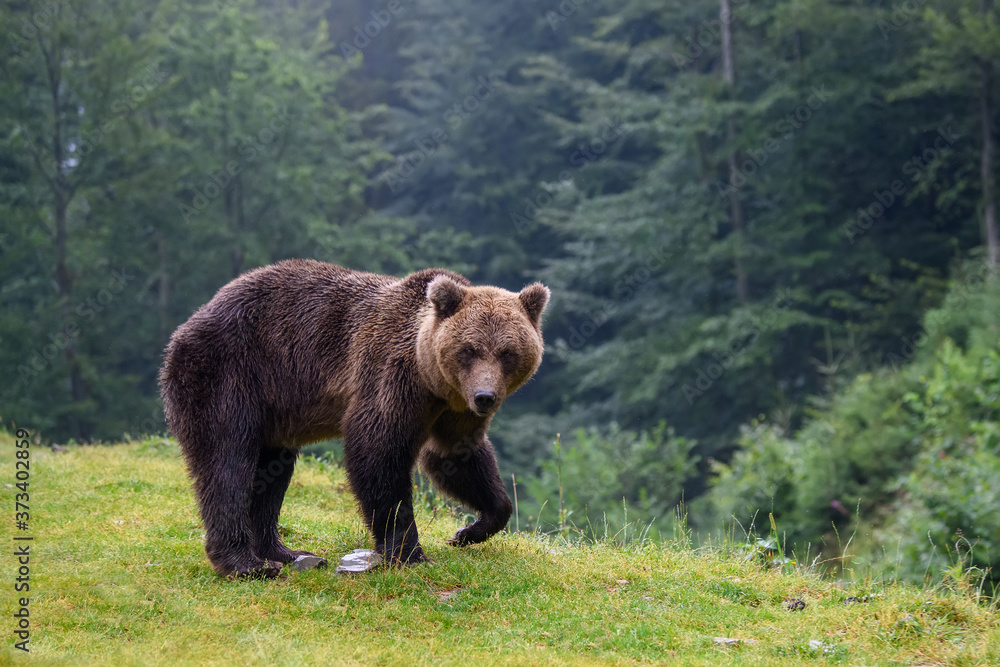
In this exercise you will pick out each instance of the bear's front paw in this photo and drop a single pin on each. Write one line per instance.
(469, 535)
(283, 554)
(264, 569)
(243, 564)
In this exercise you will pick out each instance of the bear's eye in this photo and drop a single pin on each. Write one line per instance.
(467, 354)
(508, 358)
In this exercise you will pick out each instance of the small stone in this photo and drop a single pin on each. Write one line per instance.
(308, 562)
(817, 645)
(732, 641)
(446, 595)
(358, 561)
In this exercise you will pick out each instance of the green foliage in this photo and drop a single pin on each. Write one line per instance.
(150, 152)
(760, 479)
(605, 480)
(149, 156)
(649, 324)
(946, 511)
(911, 452)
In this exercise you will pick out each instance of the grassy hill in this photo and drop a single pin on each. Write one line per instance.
(119, 577)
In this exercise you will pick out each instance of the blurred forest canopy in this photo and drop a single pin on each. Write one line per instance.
(747, 212)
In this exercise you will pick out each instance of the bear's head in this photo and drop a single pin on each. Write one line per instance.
(476, 345)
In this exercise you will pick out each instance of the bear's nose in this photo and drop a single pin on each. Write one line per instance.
(485, 400)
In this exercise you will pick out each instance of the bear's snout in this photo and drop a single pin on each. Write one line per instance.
(484, 400)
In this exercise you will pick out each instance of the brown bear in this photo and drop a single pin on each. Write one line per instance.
(403, 369)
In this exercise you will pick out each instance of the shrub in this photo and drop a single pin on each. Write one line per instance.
(947, 506)
(608, 475)
(913, 449)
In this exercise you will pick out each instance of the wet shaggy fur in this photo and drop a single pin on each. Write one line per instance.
(404, 369)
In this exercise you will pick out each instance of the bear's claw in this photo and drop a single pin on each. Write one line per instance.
(266, 569)
(468, 535)
(395, 557)
(285, 555)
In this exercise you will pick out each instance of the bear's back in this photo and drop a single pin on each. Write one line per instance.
(297, 338)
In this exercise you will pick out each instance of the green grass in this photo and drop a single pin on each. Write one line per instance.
(119, 577)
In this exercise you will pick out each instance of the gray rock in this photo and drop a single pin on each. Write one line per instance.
(358, 561)
(732, 641)
(308, 562)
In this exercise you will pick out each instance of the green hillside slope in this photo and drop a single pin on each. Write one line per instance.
(118, 576)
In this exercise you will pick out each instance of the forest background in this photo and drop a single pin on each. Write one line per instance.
(769, 229)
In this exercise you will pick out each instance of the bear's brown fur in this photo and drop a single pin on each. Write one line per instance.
(404, 369)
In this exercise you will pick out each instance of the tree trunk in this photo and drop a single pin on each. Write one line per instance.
(235, 212)
(735, 203)
(164, 288)
(62, 193)
(986, 174)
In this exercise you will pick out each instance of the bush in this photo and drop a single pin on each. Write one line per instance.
(913, 449)
(844, 462)
(602, 477)
(947, 506)
(760, 479)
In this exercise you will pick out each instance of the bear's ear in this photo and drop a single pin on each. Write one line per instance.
(446, 295)
(534, 298)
